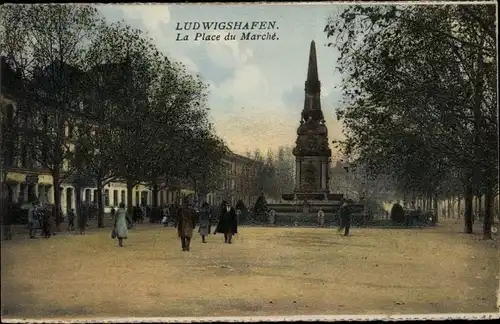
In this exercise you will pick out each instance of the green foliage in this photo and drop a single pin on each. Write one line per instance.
(260, 206)
(276, 172)
(397, 214)
(136, 115)
(420, 94)
(241, 206)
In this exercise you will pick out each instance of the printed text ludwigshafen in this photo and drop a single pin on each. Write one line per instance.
(226, 25)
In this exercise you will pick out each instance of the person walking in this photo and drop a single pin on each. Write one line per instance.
(204, 219)
(321, 217)
(6, 218)
(32, 220)
(47, 217)
(345, 218)
(228, 224)
(71, 220)
(82, 219)
(165, 217)
(120, 227)
(186, 222)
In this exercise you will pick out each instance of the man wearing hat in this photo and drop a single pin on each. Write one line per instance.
(345, 217)
(228, 222)
(186, 222)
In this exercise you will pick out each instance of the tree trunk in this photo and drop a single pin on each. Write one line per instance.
(154, 192)
(476, 208)
(468, 209)
(488, 213)
(130, 188)
(459, 208)
(435, 205)
(57, 199)
(480, 210)
(478, 118)
(78, 197)
(155, 211)
(195, 187)
(497, 207)
(448, 208)
(100, 204)
(453, 211)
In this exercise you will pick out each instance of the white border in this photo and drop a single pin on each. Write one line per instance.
(353, 2)
(236, 319)
(304, 318)
(498, 293)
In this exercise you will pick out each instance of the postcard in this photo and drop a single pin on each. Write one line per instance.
(249, 162)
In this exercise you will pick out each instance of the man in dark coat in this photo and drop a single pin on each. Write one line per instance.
(345, 217)
(47, 217)
(6, 218)
(186, 222)
(71, 220)
(228, 224)
(83, 218)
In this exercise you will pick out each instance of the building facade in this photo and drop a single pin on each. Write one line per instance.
(239, 182)
(26, 180)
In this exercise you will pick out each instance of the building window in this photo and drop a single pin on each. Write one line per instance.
(106, 197)
(88, 193)
(144, 198)
(123, 197)
(115, 197)
(95, 196)
(22, 188)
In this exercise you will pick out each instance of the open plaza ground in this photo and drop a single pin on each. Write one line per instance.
(267, 271)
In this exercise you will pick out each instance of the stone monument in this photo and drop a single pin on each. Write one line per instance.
(312, 152)
(312, 158)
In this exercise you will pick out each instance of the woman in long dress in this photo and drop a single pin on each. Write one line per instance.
(205, 217)
(120, 225)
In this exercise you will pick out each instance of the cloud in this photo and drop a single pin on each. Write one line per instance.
(256, 87)
(228, 54)
(245, 83)
(153, 16)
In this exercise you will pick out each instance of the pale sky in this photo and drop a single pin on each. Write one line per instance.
(256, 87)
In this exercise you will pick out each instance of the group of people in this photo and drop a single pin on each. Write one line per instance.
(187, 217)
(39, 217)
(156, 215)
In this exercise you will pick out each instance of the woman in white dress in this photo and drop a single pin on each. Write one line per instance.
(120, 225)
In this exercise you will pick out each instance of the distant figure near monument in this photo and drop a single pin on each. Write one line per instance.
(321, 217)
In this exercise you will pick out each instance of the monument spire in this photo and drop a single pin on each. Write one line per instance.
(312, 101)
(312, 69)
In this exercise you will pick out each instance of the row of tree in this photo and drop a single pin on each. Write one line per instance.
(276, 172)
(420, 90)
(98, 102)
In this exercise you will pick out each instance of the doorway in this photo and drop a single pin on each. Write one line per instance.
(69, 199)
